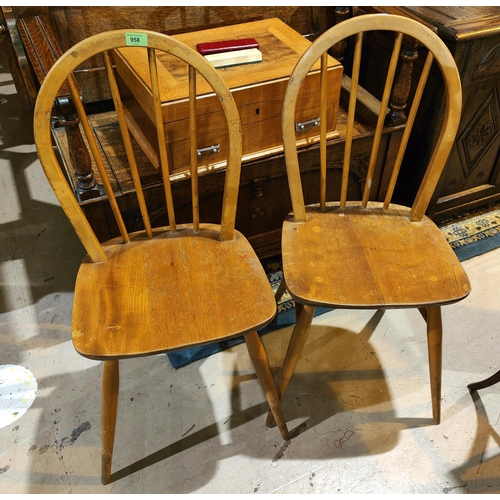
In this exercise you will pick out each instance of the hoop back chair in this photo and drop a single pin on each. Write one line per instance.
(158, 289)
(371, 254)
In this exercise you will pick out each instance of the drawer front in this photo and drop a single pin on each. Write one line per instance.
(260, 113)
(260, 138)
(261, 124)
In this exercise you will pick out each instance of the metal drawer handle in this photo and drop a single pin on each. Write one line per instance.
(210, 150)
(301, 126)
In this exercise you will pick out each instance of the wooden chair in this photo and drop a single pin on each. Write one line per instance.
(158, 289)
(364, 254)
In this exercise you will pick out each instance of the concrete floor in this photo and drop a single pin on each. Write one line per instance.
(360, 396)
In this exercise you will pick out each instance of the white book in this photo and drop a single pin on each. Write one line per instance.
(234, 57)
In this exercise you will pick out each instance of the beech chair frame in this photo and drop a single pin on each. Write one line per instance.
(315, 266)
(135, 308)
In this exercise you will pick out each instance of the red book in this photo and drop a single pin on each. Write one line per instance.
(226, 46)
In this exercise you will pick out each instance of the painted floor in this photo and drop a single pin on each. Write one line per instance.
(360, 400)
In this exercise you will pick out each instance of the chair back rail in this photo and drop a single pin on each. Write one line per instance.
(357, 27)
(62, 73)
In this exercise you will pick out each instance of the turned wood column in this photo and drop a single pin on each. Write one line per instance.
(338, 50)
(43, 51)
(86, 185)
(402, 84)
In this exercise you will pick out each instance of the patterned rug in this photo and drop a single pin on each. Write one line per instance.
(474, 232)
(470, 234)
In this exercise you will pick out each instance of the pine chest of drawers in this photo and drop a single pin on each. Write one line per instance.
(258, 90)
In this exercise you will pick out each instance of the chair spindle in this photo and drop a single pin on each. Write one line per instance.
(322, 127)
(381, 117)
(408, 127)
(350, 118)
(194, 148)
(165, 171)
(115, 93)
(97, 156)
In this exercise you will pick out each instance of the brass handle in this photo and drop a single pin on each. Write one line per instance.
(301, 126)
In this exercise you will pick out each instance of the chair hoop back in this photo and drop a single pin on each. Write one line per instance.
(105, 43)
(356, 27)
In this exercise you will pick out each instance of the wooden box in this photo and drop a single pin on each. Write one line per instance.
(258, 90)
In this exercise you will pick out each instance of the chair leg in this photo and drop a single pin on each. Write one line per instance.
(298, 310)
(109, 405)
(280, 291)
(260, 361)
(297, 341)
(435, 348)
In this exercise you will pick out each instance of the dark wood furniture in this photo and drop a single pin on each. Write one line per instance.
(34, 37)
(472, 174)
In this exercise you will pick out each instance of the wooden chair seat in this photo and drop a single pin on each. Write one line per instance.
(140, 294)
(336, 248)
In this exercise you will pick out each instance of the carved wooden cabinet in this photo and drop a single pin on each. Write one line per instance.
(472, 174)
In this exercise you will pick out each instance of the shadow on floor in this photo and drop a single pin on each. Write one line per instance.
(481, 472)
